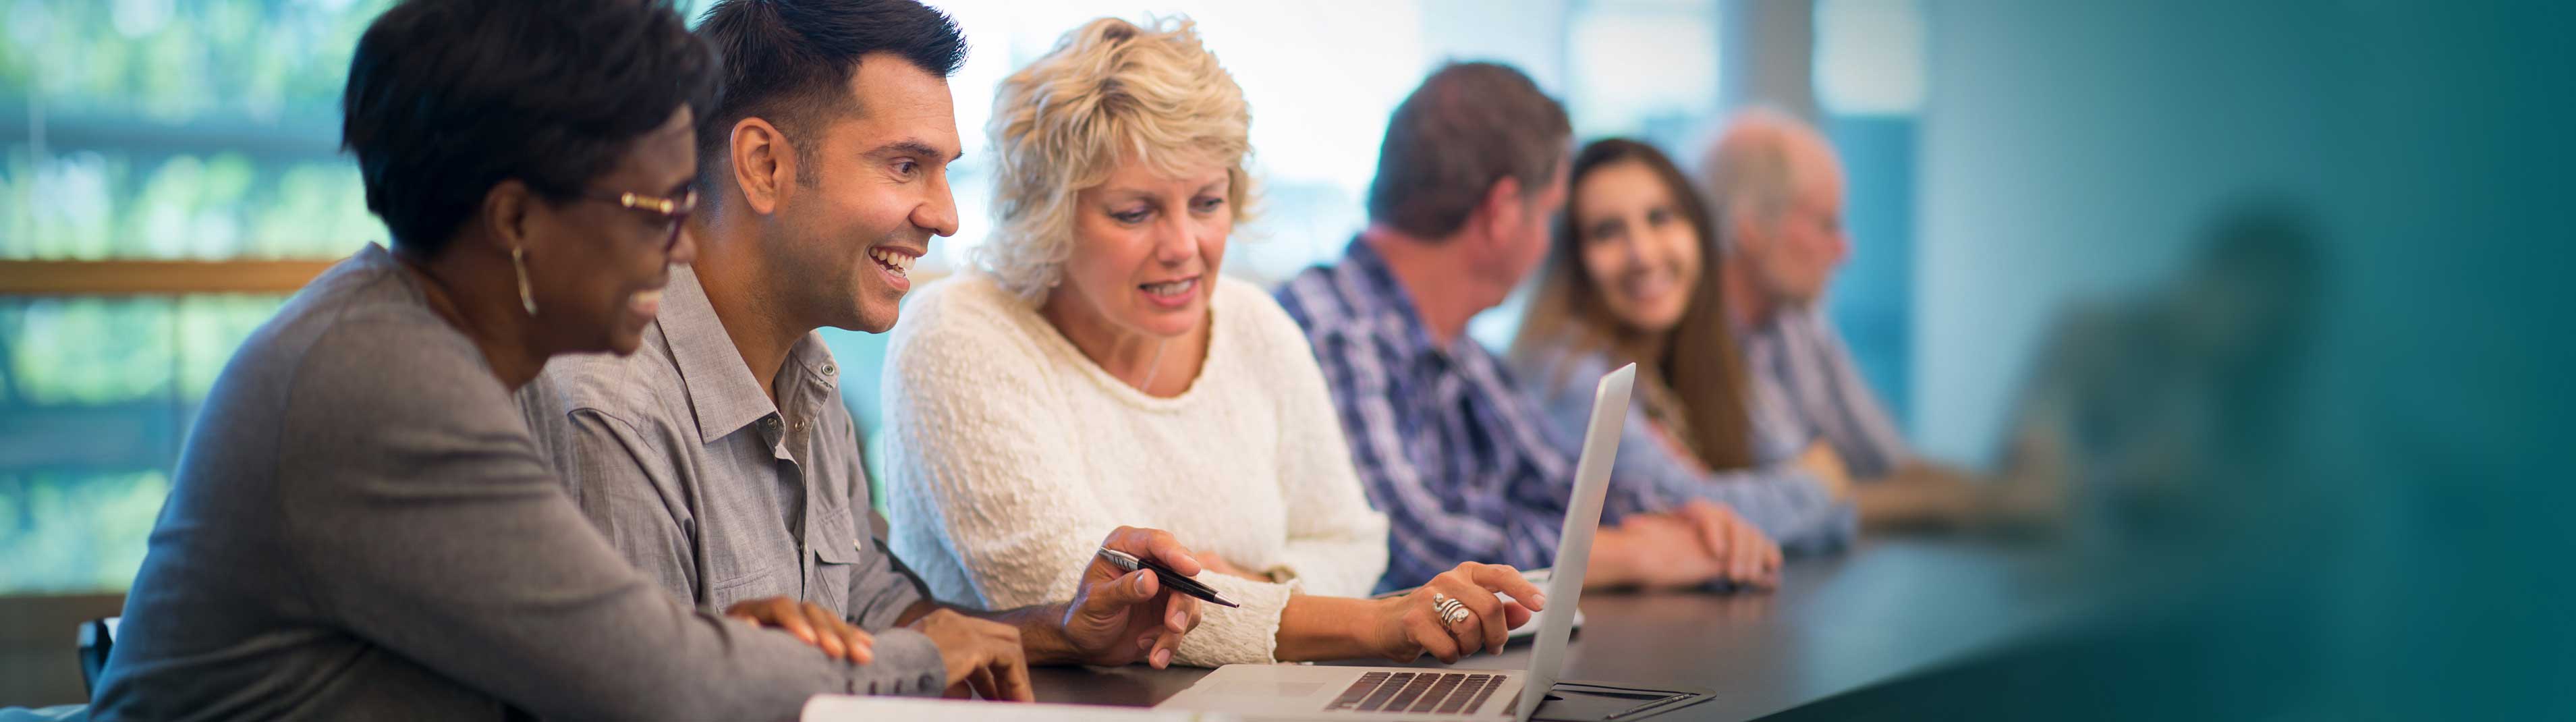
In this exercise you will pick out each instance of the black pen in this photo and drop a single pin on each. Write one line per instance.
(1173, 579)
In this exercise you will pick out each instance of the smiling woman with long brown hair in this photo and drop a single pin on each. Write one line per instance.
(1630, 277)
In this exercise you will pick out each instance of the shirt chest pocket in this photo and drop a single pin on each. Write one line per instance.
(834, 542)
(739, 570)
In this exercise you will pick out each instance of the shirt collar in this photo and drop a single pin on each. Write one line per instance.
(1391, 308)
(723, 394)
(1774, 325)
(1484, 379)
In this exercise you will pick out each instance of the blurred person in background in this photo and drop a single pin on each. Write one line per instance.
(2163, 414)
(1775, 191)
(1627, 280)
(1466, 466)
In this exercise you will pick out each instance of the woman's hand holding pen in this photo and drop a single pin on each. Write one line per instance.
(1121, 617)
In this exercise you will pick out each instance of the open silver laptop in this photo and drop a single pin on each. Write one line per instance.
(1301, 692)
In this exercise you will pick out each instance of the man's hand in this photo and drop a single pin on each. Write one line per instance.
(1120, 617)
(2032, 495)
(809, 622)
(1652, 550)
(983, 657)
(1827, 466)
(1919, 496)
(1750, 558)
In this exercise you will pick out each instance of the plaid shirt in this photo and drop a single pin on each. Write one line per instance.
(1464, 465)
(1806, 388)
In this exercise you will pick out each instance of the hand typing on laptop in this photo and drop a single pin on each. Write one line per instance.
(1412, 625)
(1453, 616)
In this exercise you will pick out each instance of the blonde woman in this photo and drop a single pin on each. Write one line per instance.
(1097, 371)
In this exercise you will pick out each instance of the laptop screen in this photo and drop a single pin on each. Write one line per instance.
(1574, 545)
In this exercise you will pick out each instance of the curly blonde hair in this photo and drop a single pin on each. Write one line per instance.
(1111, 91)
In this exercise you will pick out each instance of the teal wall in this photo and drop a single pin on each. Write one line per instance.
(2070, 150)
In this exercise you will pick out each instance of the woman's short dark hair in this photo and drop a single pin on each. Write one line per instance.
(448, 98)
(789, 61)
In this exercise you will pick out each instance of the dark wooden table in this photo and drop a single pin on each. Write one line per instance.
(1883, 612)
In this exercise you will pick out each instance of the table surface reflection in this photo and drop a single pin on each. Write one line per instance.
(1884, 610)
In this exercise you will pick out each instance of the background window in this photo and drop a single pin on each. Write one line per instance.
(153, 129)
(1869, 87)
(148, 130)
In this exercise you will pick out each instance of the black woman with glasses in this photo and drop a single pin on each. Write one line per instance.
(361, 526)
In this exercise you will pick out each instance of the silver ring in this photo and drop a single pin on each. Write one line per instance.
(1451, 611)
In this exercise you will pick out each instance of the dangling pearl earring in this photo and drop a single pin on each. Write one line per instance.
(527, 298)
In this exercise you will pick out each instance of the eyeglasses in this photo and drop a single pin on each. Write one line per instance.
(673, 211)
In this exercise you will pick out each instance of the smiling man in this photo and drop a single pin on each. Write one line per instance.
(720, 458)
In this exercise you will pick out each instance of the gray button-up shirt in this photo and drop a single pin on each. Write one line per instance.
(361, 528)
(719, 495)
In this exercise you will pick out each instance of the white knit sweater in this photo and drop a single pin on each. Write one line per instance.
(1011, 456)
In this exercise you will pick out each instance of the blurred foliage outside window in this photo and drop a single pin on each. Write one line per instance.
(162, 129)
(148, 129)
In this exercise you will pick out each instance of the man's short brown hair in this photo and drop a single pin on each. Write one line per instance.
(1469, 126)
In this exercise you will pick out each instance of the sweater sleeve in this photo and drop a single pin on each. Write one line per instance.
(1336, 542)
(976, 428)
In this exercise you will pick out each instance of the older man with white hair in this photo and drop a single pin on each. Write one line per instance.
(1776, 189)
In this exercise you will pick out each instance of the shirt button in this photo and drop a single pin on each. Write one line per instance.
(831, 370)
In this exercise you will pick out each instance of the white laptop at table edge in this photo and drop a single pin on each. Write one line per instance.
(1301, 692)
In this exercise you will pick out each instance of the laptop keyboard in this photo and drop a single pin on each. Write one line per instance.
(1424, 692)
